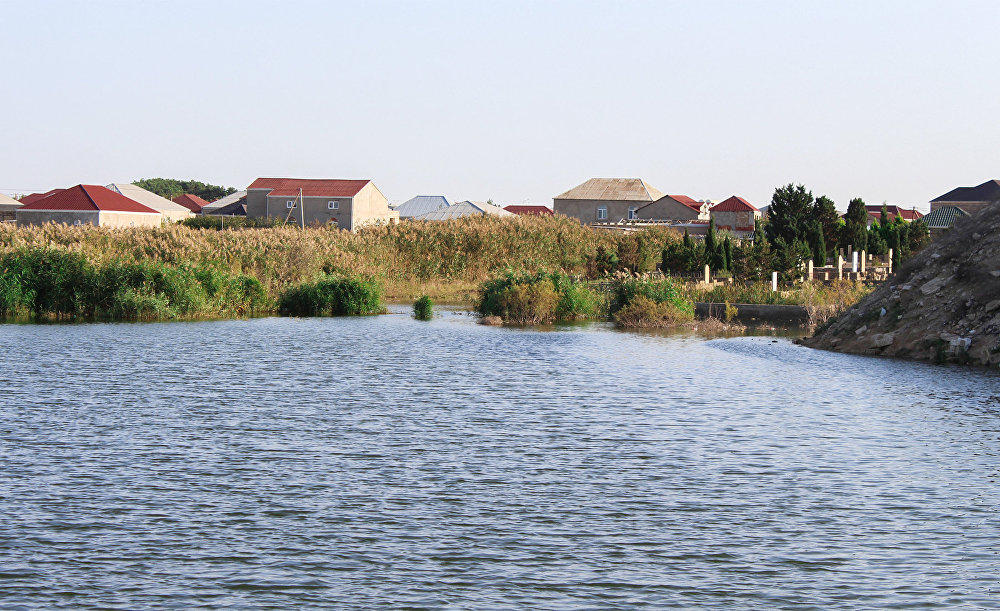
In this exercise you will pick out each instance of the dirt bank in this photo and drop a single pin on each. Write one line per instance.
(941, 306)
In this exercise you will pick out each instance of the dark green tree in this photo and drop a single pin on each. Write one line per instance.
(790, 214)
(884, 216)
(826, 213)
(818, 244)
(856, 225)
(727, 245)
(687, 239)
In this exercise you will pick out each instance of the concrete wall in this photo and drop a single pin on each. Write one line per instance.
(733, 221)
(257, 202)
(371, 208)
(129, 219)
(586, 209)
(67, 217)
(317, 210)
(667, 209)
(89, 217)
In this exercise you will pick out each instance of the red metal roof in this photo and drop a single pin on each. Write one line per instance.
(34, 197)
(88, 197)
(191, 202)
(529, 209)
(311, 187)
(734, 204)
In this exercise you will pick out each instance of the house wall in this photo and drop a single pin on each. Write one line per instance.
(257, 202)
(585, 210)
(129, 219)
(738, 222)
(371, 208)
(970, 207)
(66, 217)
(667, 209)
(317, 210)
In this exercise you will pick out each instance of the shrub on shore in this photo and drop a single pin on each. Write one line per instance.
(542, 298)
(332, 296)
(645, 303)
(52, 284)
(423, 308)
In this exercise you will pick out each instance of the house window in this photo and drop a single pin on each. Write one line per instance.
(332, 205)
(631, 212)
(290, 203)
(602, 213)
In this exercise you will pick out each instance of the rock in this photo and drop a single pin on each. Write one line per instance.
(934, 285)
(881, 313)
(861, 330)
(881, 340)
(995, 273)
(993, 305)
(977, 236)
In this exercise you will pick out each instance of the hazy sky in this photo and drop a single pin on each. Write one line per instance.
(514, 101)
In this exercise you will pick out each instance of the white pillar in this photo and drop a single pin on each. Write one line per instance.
(888, 260)
(854, 262)
(774, 281)
(840, 267)
(809, 272)
(708, 274)
(864, 258)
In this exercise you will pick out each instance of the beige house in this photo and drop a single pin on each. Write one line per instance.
(8, 207)
(969, 199)
(736, 215)
(171, 212)
(674, 208)
(88, 205)
(348, 204)
(603, 200)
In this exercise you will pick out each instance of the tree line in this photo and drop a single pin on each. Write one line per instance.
(799, 228)
(171, 188)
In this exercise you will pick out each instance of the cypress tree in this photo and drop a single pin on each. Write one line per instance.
(687, 239)
(728, 248)
(818, 245)
(884, 216)
(856, 225)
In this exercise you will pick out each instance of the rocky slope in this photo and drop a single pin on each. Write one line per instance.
(941, 306)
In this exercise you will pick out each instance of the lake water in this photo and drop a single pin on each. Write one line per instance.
(383, 462)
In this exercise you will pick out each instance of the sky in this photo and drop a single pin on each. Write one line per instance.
(510, 101)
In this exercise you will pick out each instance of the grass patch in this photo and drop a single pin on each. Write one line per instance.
(423, 308)
(543, 298)
(332, 296)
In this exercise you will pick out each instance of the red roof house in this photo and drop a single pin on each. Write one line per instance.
(345, 203)
(34, 197)
(875, 213)
(737, 215)
(88, 205)
(191, 202)
(527, 209)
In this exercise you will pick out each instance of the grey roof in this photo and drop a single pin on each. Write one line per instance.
(225, 201)
(943, 217)
(151, 200)
(461, 209)
(421, 204)
(237, 208)
(613, 189)
(989, 191)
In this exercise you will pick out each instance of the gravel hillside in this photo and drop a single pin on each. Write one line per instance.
(941, 306)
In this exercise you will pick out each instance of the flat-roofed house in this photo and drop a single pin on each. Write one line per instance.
(8, 207)
(88, 205)
(970, 199)
(171, 212)
(348, 204)
(736, 215)
(603, 200)
(421, 204)
(674, 208)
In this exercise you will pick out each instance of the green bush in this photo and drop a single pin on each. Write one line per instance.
(212, 221)
(423, 308)
(535, 299)
(48, 283)
(643, 312)
(332, 296)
